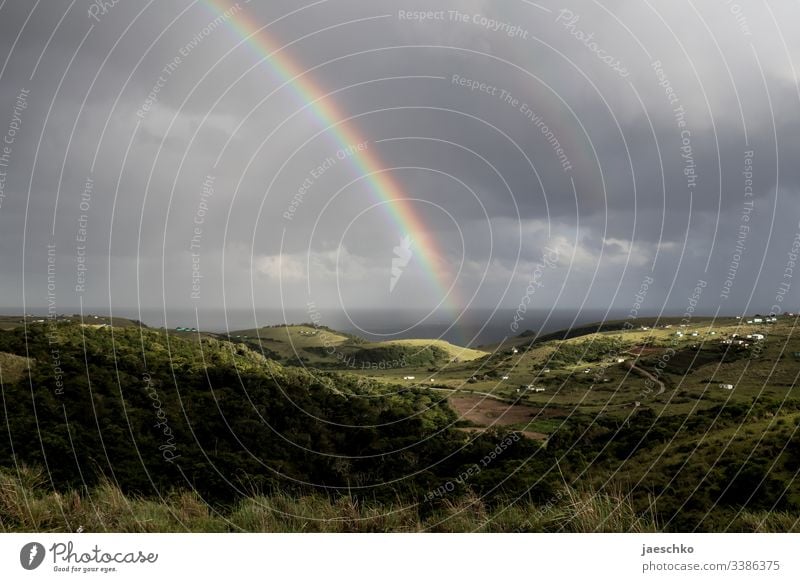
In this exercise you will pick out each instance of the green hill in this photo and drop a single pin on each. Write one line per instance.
(153, 412)
(319, 346)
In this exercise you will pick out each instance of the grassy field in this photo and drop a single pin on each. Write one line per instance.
(608, 372)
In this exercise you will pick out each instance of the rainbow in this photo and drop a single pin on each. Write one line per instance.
(365, 162)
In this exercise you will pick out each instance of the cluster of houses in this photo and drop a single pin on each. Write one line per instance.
(304, 332)
(737, 340)
(187, 329)
(734, 339)
(770, 319)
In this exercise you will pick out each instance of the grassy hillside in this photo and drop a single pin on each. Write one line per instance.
(319, 346)
(26, 506)
(682, 428)
(153, 412)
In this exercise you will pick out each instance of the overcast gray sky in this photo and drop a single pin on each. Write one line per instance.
(635, 139)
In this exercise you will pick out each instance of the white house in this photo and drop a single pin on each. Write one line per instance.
(538, 389)
(726, 386)
(620, 360)
(514, 351)
(408, 377)
(505, 377)
(757, 336)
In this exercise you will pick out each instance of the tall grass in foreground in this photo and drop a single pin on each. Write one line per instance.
(26, 505)
(768, 522)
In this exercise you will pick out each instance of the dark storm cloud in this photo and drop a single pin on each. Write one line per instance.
(490, 117)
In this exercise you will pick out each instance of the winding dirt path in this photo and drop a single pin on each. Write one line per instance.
(661, 386)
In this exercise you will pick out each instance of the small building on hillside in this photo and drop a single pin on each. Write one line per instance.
(726, 386)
